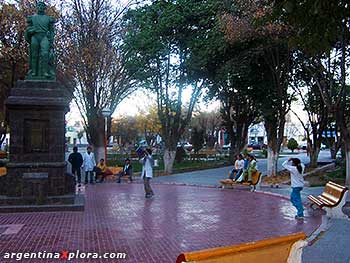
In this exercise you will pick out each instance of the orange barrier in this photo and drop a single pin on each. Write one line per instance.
(3, 171)
(276, 250)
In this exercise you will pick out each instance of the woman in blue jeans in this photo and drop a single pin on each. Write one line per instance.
(296, 169)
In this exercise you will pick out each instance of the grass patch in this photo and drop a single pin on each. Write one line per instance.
(337, 176)
(184, 166)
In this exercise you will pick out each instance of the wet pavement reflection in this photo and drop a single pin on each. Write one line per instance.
(118, 218)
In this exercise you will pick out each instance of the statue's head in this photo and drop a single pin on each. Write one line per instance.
(41, 7)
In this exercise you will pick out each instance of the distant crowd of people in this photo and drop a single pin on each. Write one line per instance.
(98, 172)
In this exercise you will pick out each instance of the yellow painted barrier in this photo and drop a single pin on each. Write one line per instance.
(277, 250)
(3, 171)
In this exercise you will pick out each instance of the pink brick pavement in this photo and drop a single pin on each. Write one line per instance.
(117, 218)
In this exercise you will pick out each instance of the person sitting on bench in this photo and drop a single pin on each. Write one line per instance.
(250, 170)
(238, 169)
(127, 170)
(102, 171)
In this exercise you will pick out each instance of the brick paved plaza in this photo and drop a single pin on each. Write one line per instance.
(118, 218)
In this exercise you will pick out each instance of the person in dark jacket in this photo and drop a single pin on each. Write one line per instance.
(76, 159)
(127, 170)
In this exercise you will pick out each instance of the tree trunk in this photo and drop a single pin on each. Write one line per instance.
(238, 140)
(169, 158)
(99, 152)
(333, 151)
(347, 168)
(97, 137)
(272, 157)
(314, 152)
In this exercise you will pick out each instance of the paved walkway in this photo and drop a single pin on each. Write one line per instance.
(212, 176)
(332, 246)
(179, 218)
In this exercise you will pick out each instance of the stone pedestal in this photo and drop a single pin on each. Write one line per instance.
(36, 171)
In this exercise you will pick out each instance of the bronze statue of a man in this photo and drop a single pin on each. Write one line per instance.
(40, 36)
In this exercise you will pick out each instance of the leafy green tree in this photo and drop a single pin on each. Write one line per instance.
(292, 144)
(210, 123)
(164, 42)
(305, 87)
(321, 30)
(267, 40)
(94, 63)
(232, 85)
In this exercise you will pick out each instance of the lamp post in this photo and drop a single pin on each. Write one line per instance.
(106, 112)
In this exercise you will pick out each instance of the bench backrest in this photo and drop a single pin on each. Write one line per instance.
(275, 250)
(115, 169)
(334, 192)
(256, 177)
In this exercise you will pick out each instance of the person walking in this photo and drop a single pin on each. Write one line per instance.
(296, 169)
(147, 172)
(76, 160)
(88, 164)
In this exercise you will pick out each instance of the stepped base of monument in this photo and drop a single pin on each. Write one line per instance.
(50, 204)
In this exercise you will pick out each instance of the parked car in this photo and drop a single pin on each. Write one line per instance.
(186, 146)
(257, 146)
(226, 146)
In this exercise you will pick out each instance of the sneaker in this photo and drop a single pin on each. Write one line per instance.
(299, 217)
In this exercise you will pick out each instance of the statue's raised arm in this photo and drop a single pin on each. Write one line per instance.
(40, 34)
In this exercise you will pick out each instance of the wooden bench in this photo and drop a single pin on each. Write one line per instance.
(256, 178)
(115, 171)
(3, 155)
(331, 200)
(3, 171)
(277, 250)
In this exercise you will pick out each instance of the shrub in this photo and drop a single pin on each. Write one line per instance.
(180, 154)
(292, 144)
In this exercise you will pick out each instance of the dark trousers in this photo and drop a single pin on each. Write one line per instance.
(91, 177)
(121, 174)
(76, 171)
(147, 185)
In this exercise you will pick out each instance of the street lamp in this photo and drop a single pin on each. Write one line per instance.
(106, 112)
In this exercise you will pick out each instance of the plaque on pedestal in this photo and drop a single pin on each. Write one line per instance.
(36, 172)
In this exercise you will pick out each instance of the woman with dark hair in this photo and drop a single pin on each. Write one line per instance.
(238, 168)
(296, 170)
